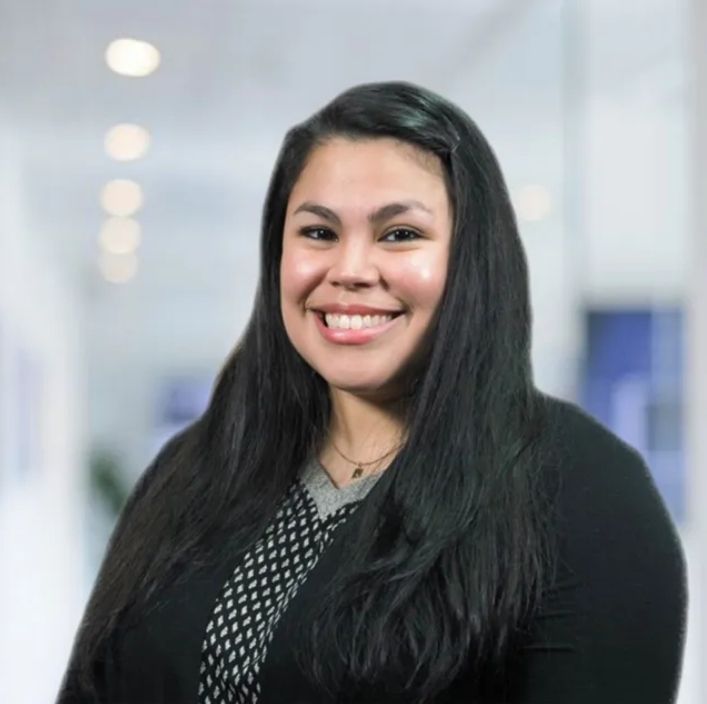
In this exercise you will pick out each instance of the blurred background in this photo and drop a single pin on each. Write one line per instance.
(136, 142)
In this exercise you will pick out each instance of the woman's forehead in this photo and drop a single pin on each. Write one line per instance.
(340, 145)
(344, 170)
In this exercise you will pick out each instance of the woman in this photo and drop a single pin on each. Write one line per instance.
(378, 505)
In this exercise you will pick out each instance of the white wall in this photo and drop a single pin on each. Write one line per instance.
(696, 353)
(41, 503)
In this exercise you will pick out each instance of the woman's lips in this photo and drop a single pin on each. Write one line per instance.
(341, 336)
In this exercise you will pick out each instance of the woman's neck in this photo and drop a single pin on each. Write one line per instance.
(361, 431)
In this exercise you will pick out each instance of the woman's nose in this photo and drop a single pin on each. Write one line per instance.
(353, 264)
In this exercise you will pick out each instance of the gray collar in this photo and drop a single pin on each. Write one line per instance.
(327, 497)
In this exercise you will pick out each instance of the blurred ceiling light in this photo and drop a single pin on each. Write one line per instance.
(117, 268)
(121, 197)
(533, 203)
(120, 235)
(132, 57)
(126, 142)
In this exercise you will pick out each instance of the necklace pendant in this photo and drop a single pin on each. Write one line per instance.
(357, 473)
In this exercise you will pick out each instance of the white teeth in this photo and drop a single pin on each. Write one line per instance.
(355, 322)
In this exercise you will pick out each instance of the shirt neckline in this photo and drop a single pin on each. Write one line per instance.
(327, 497)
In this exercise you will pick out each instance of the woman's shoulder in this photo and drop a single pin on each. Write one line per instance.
(620, 595)
(592, 459)
(157, 474)
(614, 526)
(612, 518)
(580, 435)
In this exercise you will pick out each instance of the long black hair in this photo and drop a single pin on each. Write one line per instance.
(453, 547)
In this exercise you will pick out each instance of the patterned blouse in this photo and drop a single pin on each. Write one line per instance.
(260, 588)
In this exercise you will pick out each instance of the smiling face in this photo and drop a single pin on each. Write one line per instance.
(367, 231)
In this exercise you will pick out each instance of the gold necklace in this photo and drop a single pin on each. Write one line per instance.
(358, 471)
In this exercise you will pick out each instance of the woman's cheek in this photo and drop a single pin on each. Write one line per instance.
(298, 270)
(424, 276)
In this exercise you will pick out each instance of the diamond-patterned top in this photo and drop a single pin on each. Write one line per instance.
(261, 586)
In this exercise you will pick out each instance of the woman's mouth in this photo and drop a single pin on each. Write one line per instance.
(337, 321)
(354, 329)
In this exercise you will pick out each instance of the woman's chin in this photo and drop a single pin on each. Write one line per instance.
(371, 389)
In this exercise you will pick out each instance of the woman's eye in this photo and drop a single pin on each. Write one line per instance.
(317, 233)
(404, 235)
(323, 234)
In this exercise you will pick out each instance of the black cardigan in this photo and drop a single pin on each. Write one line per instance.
(611, 630)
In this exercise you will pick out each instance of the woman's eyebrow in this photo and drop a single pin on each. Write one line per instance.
(385, 212)
(392, 209)
(320, 210)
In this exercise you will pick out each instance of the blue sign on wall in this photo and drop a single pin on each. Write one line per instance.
(632, 382)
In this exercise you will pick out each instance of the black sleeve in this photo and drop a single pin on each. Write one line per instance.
(103, 666)
(612, 627)
(71, 692)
